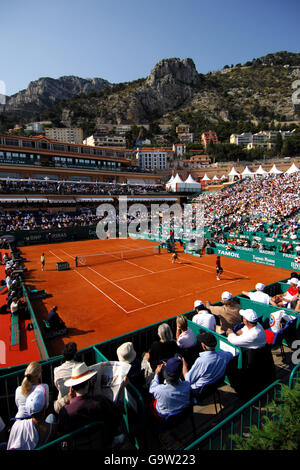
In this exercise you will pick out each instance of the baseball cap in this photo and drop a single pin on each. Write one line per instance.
(226, 295)
(197, 303)
(293, 280)
(174, 366)
(249, 314)
(208, 339)
(259, 286)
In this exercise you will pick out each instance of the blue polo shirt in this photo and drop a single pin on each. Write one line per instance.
(170, 398)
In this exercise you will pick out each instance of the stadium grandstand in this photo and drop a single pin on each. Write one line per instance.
(119, 298)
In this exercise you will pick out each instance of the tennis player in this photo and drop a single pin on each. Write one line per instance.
(175, 258)
(219, 269)
(43, 262)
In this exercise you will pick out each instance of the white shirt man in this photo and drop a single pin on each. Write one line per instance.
(259, 295)
(203, 317)
(252, 335)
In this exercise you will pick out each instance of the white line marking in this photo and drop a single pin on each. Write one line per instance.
(112, 300)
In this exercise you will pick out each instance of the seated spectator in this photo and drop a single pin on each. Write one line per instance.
(27, 434)
(163, 349)
(83, 408)
(64, 372)
(251, 335)
(184, 335)
(228, 312)
(289, 298)
(258, 295)
(56, 323)
(159, 351)
(174, 394)
(276, 324)
(126, 353)
(30, 382)
(210, 365)
(203, 317)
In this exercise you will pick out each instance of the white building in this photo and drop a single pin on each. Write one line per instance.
(179, 149)
(65, 134)
(241, 139)
(151, 158)
(99, 140)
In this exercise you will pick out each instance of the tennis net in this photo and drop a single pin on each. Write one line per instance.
(110, 257)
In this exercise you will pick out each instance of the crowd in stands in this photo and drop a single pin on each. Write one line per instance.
(170, 375)
(252, 203)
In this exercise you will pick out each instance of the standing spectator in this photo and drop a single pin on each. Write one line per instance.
(203, 317)
(228, 312)
(64, 372)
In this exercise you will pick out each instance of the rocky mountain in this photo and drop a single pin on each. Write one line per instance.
(257, 90)
(42, 93)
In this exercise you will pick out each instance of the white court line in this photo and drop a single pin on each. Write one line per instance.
(74, 270)
(227, 270)
(142, 275)
(180, 296)
(108, 280)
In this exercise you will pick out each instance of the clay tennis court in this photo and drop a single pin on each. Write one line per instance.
(109, 297)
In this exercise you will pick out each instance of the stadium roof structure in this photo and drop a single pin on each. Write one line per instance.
(274, 170)
(293, 169)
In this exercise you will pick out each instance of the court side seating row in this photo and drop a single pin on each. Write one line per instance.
(15, 331)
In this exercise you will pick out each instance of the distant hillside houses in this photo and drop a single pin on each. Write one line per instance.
(265, 139)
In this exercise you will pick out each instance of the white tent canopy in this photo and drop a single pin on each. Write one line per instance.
(233, 172)
(205, 178)
(274, 170)
(292, 169)
(215, 178)
(261, 171)
(177, 179)
(190, 179)
(247, 172)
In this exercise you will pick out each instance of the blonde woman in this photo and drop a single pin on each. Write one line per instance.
(31, 380)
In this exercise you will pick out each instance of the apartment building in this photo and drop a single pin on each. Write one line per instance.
(100, 140)
(187, 138)
(154, 158)
(65, 134)
(209, 137)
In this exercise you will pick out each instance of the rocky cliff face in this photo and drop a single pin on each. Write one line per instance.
(43, 92)
(258, 90)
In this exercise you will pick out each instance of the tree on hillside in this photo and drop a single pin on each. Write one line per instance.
(281, 428)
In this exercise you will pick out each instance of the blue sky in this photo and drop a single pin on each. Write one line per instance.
(122, 40)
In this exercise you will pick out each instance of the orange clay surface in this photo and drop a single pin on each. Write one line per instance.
(102, 301)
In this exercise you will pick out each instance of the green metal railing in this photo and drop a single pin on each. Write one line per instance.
(240, 422)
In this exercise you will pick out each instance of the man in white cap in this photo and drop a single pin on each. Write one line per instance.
(252, 335)
(228, 312)
(258, 295)
(83, 408)
(203, 317)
